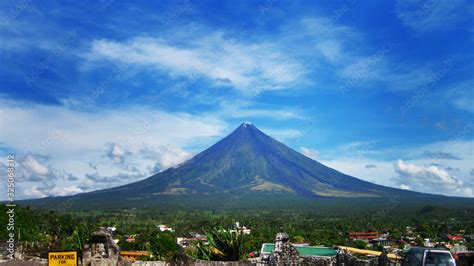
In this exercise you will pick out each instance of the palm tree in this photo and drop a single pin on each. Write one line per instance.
(224, 245)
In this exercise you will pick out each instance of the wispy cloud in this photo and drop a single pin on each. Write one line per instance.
(214, 56)
(440, 155)
(429, 15)
(461, 95)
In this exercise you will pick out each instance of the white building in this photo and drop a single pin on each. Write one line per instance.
(164, 227)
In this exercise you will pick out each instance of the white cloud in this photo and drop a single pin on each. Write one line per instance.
(356, 166)
(429, 179)
(403, 186)
(353, 158)
(245, 66)
(83, 132)
(165, 156)
(331, 50)
(34, 192)
(37, 168)
(33, 168)
(64, 190)
(313, 154)
(109, 140)
(116, 152)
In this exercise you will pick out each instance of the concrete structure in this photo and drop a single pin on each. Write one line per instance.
(101, 249)
(284, 253)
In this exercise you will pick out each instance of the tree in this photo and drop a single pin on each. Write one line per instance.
(470, 246)
(299, 239)
(164, 247)
(360, 244)
(419, 242)
(224, 245)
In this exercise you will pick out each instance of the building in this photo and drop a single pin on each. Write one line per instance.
(381, 241)
(243, 229)
(300, 244)
(134, 255)
(112, 230)
(130, 238)
(427, 243)
(457, 237)
(185, 242)
(364, 236)
(164, 228)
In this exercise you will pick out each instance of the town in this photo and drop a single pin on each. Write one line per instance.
(255, 241)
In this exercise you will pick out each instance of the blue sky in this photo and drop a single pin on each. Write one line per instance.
(101, 93)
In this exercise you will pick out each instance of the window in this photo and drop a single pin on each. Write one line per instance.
(413, 258)
(438, 259)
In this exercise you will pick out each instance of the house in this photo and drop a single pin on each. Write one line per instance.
(457, 237)
(456, 248)
(381, 241)
(364, 236)
(130, 238)
(243, 229)
(468, 237)
(300, 244)
(164, 227)
(427, 243)
(185, 242)
(112, 230)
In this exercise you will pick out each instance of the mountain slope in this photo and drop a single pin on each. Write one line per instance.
(249, 162)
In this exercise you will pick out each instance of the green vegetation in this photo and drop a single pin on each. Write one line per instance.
(328, 225)
(360, 244)
(224, 245)
(48, 230)
(161, 244)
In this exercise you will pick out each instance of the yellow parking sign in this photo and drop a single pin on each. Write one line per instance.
(62, 258)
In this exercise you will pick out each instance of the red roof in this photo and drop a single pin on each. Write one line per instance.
(455, 237)
(363, 235)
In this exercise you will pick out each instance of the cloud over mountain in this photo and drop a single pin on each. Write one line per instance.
(429, 178)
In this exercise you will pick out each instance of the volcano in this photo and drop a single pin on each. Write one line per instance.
(247, 165)
(250, 162)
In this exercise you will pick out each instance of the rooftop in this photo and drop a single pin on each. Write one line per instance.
(304, 250)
